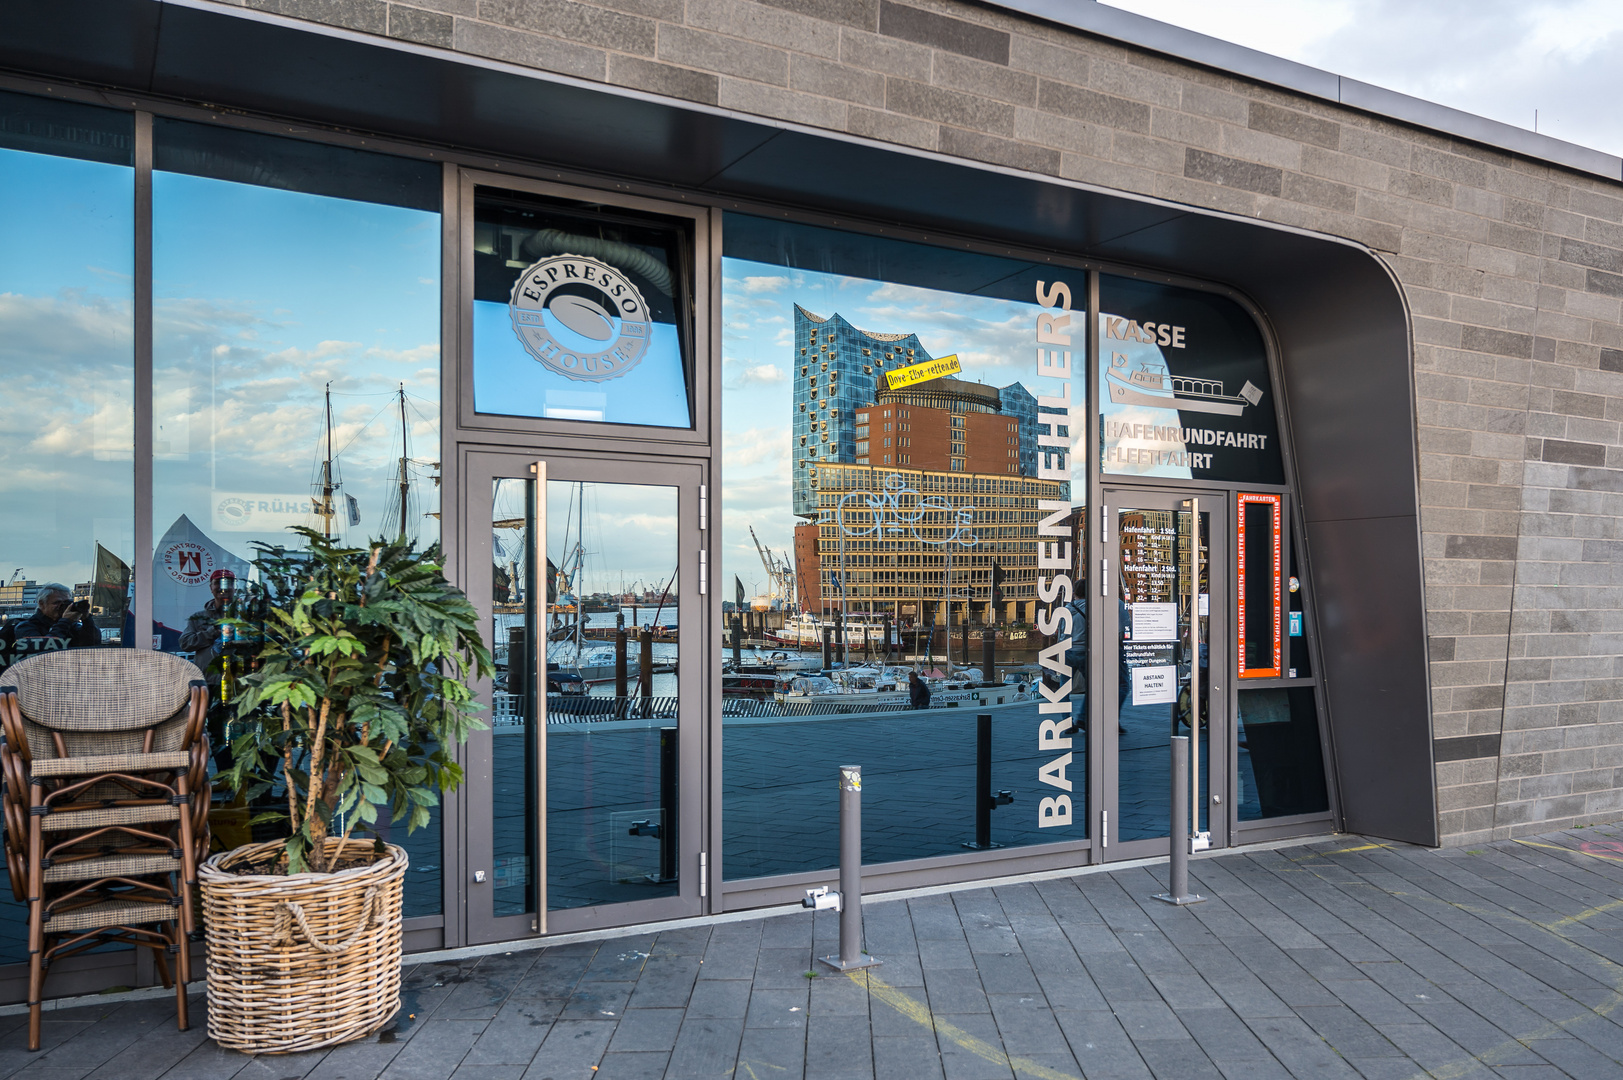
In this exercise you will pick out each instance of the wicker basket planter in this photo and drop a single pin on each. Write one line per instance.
(301, 961)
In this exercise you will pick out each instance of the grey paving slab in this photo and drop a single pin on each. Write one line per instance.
(1354, 959)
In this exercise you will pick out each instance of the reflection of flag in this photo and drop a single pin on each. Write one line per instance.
(109, 587)
(354, 510)
(182, 563)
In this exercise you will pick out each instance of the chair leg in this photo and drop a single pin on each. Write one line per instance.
(188, 870)
(36, 917)
(161, 962)
(182, 1020)
(36, 986)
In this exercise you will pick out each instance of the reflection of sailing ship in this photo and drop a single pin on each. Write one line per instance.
(1158, 390)
(402, 513)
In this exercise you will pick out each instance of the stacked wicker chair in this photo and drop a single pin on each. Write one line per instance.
(106, 796)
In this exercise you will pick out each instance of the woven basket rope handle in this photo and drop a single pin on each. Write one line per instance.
(290, 912)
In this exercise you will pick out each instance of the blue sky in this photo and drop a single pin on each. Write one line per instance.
(66, 416)
(261, 296)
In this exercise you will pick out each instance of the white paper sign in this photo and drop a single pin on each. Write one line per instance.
(1155, 622)
(1155, 685)
(1205, 603)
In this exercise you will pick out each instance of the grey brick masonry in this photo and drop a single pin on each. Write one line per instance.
(1513, 270)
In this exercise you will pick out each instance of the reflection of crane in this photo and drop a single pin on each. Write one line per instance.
(781, 574)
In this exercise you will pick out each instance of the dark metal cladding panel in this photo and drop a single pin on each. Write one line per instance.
(110, 42)
(1381, 724)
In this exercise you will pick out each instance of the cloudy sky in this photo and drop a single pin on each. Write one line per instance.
(1497, 58)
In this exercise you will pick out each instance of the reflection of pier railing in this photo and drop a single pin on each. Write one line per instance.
(505, 711)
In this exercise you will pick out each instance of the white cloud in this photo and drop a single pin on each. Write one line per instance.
(762, 375)
(754, 286)
(755, 446)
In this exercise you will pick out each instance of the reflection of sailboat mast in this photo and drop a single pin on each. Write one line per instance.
(326, 510)
(405, 483)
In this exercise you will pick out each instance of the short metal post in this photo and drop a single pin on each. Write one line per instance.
(828, 648)
(1178, 872)
(851, 955)
(645, 665)
(988, 654)
(738, 633)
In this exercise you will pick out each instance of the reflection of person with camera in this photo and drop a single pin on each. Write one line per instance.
(202, 635)
(58, 622)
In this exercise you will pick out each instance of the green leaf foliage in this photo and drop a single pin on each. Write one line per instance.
(378, 642)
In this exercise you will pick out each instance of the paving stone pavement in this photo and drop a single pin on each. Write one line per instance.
(1349, 958)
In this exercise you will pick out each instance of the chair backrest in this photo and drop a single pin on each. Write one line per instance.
(90, 691)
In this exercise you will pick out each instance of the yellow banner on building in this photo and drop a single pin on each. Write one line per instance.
(930, 369)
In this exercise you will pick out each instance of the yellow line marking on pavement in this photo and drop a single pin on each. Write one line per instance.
(1338, 851)
(920, 1013)
(749, 1067)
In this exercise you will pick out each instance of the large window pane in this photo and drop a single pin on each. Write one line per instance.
(897, 437)
(295, 378)
(67, 249)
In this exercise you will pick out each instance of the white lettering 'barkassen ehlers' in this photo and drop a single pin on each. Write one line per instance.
(1054, 590)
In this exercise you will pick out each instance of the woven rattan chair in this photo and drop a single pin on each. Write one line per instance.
(105, 807)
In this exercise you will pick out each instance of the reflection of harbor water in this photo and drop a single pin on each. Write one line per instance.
(563, 652)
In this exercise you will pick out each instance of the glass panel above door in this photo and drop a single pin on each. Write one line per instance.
(581, 312)
(1183, 385)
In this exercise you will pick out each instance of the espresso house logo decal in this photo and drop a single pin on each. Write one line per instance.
(580, 317)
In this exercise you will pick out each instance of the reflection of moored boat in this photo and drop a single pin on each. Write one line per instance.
(1147, 387)
(858, 629)
(885, 689)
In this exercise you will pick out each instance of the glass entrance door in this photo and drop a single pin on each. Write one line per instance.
(588, 574)
(1165, 650)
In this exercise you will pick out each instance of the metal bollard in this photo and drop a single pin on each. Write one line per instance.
(848, 901)
(1178, 873)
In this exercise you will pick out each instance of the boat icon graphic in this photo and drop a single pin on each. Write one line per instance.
(1146, 386)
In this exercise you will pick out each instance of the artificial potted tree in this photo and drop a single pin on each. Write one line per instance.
(359, 698)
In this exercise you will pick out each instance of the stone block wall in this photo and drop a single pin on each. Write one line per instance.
(1513, 269)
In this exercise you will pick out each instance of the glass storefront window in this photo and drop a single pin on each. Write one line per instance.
(296, 380)
(67, 416)
(1183, 385)
(67, 420)
(581, 313)
(901, 540)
